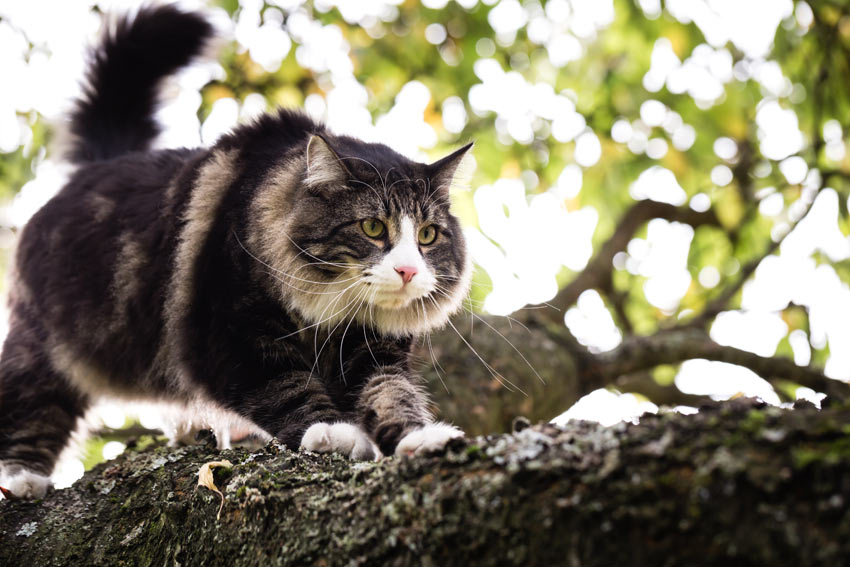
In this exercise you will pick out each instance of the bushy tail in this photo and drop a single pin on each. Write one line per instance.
(115, 113)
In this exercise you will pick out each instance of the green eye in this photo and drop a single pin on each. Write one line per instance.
(427, 234)
(373, 228)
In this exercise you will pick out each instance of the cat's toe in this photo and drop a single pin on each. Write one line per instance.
(431, 437)
(344, 438)
(353, 441)
(24, 483)
(317, 438)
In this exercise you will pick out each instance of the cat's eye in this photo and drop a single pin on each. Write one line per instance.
(427, 234)
(373, 228)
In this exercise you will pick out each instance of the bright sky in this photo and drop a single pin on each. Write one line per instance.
(522, 270)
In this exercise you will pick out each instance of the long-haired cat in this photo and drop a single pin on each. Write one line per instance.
(279, 276)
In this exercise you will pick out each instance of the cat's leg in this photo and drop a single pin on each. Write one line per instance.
(395, 412)
(39, 411)
(297, 409)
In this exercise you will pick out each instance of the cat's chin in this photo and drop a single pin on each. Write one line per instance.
(405, 321)
(396, 300)
(397, 316)
(390, 303)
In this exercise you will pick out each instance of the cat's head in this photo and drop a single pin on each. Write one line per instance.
(364, 236)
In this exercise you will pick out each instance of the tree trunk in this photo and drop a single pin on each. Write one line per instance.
(484, 398)
(536, 367)
(739, 483)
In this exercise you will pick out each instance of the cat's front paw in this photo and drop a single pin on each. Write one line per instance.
(23, 483)
(431, 437)
(344, 438)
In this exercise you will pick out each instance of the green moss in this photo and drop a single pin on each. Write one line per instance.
(830, 454)
(754, 421)
(221, 475)
(146, 441)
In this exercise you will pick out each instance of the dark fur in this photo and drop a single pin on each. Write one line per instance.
(95, 269)
(115, 114)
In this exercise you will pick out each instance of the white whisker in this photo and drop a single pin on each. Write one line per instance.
(331, 332)
(282, 272)
(322, 320)
(512, 346)
(342, 340)
(311, 292)
(375, 191)
(436, 365)
(378, 173)
(366, 338)
(319, 260)
(493, 372)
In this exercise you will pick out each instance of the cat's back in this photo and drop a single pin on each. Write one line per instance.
(97, 254)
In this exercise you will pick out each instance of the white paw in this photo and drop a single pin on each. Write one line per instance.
(344, 438)
(431, 437)
(23, 483)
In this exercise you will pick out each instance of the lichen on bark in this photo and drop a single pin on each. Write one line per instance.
(739, 483)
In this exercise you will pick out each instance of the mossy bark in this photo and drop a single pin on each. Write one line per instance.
(736, 484)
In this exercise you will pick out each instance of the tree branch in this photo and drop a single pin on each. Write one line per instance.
(721, 301)
(597, 273)
(618, 303)
(671, 347)
(741, 484)
(663, 395)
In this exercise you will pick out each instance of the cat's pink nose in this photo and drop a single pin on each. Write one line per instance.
(406, 273)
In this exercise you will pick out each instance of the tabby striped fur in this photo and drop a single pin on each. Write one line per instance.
(236, 277)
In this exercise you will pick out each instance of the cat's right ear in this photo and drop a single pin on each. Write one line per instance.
(324, 168)
(455, 168)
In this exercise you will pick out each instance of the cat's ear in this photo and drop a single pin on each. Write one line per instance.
(455, 168)
(324, 168)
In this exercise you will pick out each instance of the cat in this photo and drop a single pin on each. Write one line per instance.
(279, 276)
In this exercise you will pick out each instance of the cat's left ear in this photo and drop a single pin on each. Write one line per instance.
(324, 168)
(452, 169)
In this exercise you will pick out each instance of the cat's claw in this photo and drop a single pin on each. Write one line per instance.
(344, 438)
(428, 438)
